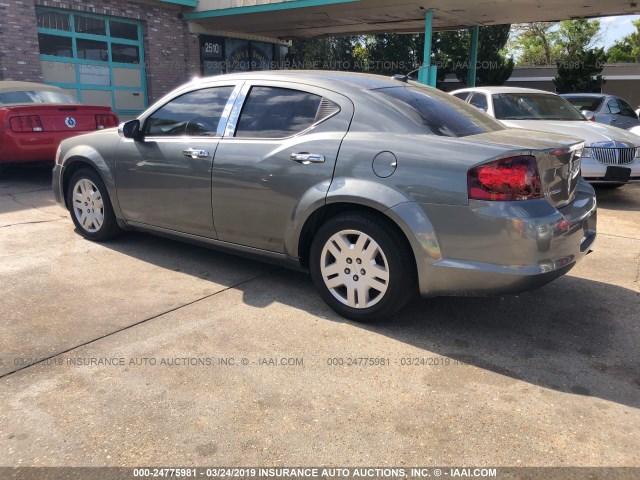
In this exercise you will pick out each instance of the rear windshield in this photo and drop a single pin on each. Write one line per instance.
(439, 113)
(533, 106)
(585, 103)
(35, 96)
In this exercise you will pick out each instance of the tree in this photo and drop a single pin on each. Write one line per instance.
(392, 53)
(576, 36)
(535, 43)
(451, 53)
(331, 53)
(581, 64)
(626, 50)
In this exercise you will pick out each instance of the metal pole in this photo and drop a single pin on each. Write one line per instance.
(473, 56)
(423, 73)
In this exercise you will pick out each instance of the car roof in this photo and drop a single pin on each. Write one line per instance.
(586, 95)
(491, 90)
(359, 81)
(11, 86)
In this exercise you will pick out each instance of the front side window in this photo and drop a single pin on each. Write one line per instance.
(533, 106)
(195, 113)
(626, 110)
(271, 112)
(439, 113)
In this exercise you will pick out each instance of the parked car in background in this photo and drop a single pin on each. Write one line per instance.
(381, 188)
(611, 156)
(607, 109)
(35, 118)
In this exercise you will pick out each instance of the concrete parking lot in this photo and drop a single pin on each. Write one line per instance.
(161, 353)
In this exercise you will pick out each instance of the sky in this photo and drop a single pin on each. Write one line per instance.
(615, 28)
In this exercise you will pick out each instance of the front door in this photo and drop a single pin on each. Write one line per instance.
(164, 179)
(279, 152)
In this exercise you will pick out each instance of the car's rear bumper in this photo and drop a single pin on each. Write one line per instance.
(489, 248)
(594, 171)
(32, 147)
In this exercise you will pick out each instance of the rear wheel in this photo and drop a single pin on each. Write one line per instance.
(90, 207)
(362, 267)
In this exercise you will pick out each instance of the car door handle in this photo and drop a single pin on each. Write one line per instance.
(306, 158)
(195, 153)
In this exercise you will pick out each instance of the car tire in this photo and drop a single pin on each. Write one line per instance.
(362, 266)
(90, 207)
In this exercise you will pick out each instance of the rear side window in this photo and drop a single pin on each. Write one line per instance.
(195, 113)
(271, 112)
(439, 113)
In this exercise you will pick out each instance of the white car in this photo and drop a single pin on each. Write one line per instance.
(611, 155)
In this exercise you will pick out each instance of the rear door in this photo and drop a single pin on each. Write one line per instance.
(164, 179)
(279, 149)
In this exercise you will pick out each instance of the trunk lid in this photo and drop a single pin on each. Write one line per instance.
(62, 118)
(557, 157)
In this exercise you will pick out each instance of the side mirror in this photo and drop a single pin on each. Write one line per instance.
(130, 129)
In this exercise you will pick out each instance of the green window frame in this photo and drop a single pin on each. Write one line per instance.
(68, 30)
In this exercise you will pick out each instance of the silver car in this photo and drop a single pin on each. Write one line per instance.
(611, 156)
(380, 188)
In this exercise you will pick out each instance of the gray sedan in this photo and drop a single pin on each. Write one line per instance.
(607, 109)
(380, 188)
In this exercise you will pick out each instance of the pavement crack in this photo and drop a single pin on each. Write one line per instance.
(140, 322)
(617, 236)
(27, 191)
(30, 223)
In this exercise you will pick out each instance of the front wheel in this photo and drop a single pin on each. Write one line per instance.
(362, 267)
(90, 207)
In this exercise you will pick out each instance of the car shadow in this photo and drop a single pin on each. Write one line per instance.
(625, 198)
(22, 178)
(574, 335)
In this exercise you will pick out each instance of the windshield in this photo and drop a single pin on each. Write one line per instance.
(35, 96)
(533, 106)
(439, 113)
(585, 103)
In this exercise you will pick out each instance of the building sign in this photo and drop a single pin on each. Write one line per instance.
(212, 55)
(211, 48)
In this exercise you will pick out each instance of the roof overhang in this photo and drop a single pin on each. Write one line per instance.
(316, 18)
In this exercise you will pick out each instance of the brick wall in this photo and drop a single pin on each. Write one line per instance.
(19, 55)
(172, 54)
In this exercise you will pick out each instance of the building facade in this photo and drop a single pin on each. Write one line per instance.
(119, 53)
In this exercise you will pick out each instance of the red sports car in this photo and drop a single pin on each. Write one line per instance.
(35, 118)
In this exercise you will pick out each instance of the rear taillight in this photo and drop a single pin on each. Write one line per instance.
(106, 121)
(26, 123)
(592, 118)
(514, 178)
